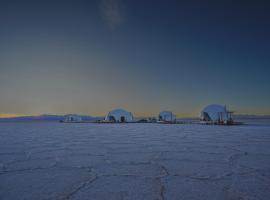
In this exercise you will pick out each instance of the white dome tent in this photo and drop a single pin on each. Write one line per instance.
(119, 115)
(72, 118)
(216, 114)
(166, 116)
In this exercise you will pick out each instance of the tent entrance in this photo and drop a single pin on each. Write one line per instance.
(111, 118)
(122, 119)
(206, 117)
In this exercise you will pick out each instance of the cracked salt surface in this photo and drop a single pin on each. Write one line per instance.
(134, 161)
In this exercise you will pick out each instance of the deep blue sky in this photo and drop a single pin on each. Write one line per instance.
(92, 56)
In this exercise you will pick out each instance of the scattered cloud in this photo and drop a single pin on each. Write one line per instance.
(113, 13)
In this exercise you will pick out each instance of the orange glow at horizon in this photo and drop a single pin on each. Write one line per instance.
(9, 115)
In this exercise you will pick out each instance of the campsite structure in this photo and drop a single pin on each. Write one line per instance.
(72, 118)
(166, 117)
(119, 116)
(216, 114)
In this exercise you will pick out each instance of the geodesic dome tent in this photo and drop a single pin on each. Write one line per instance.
(119, 115)
(166, 116)
(215, 113)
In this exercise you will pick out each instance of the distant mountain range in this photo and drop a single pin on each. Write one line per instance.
(47, 118)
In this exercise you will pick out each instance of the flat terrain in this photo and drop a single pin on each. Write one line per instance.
(134, 161)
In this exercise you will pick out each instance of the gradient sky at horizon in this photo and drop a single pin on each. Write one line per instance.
(88, 57)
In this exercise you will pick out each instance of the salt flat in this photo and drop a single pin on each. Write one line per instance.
(134, 161)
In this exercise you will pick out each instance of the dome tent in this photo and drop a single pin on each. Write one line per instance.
(119, 115)
(166, 116)
(215, 113)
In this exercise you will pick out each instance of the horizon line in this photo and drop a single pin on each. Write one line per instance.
(13, 115)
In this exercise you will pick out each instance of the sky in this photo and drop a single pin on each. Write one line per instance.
(89, 57)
